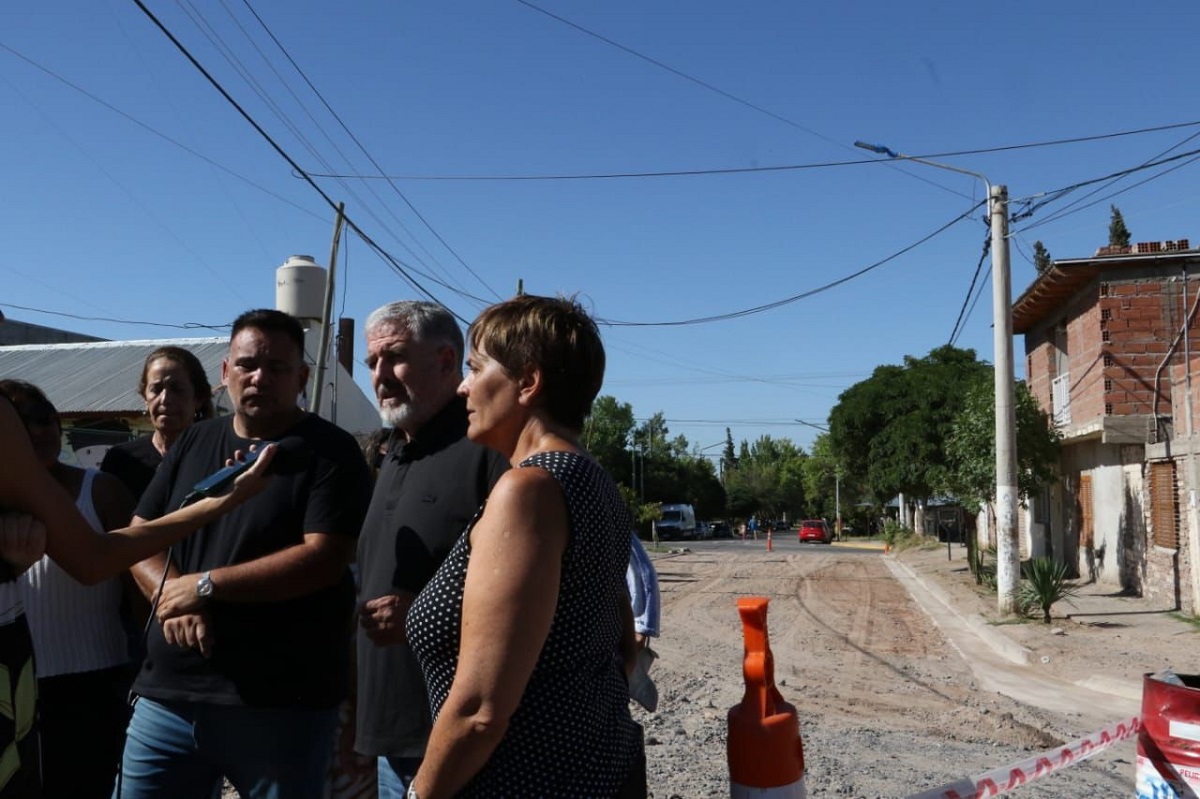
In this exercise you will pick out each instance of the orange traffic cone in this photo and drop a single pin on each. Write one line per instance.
(766, 755)
(768, 540)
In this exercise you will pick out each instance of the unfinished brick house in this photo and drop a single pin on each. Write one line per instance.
(1107, 357)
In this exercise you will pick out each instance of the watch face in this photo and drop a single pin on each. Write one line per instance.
(204, 586)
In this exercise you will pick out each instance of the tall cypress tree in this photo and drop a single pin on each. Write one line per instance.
(1118, 234)
(1041, 257)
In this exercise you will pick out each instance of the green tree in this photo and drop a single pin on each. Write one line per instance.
(728, 455)
(606, 434)
(971, 447)
(1118, 234)
(768, 480)
(1041, 257)
(891, 428)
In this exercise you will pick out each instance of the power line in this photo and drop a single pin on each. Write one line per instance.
(281, 152)
(723, 93)
(750, 170)
(159, 134)
(1057, 194)
(804, 295)
(364, 150)
(987, 247)
(184, 326)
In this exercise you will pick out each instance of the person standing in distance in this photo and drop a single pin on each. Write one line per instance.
(250, 657)
(431, 483)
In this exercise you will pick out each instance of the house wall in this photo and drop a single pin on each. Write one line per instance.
(1139, 320)
(1117, 555)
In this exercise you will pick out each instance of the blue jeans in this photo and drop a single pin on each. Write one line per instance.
(180, 750)
(395, 774)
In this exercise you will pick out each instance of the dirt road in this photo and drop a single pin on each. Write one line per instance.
(887, 707)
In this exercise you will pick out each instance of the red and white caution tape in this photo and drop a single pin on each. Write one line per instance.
(1007, 778)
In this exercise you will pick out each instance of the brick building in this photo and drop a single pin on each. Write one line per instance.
(1107, 358)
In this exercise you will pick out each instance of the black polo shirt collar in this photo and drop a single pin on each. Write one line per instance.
(447, 426)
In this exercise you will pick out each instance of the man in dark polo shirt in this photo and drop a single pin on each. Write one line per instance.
(249, 657)
(431, 482)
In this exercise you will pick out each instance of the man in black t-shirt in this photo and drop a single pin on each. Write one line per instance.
(249, 657)
(431, 482)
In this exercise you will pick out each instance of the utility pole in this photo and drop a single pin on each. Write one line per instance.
(1008, 552)
(837, 500)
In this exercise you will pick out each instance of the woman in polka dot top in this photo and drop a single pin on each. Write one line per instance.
(518, 632)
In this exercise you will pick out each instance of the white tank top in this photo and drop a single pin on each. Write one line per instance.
(75, 628)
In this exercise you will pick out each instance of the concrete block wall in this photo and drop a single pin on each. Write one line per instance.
(1137, 319)
(1085, 357)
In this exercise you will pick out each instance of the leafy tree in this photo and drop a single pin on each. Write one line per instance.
(971, 447)
(606, 434)
(891, 427)
(1118, 234)
(825, 479)
(768, 480)
(1041, 257)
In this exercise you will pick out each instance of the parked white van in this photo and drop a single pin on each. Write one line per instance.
(678, 522)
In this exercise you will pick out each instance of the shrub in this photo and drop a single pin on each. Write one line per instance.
(1045, 583)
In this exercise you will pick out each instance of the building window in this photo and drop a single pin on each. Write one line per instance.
(1105, 337)
(1083, 513)
(1108, 409)
(1103, 289)
(1108, 384)
(1108, 359)
(1164, 504)
(1105, 314)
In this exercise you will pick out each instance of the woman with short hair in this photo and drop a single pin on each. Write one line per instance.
(518, 634)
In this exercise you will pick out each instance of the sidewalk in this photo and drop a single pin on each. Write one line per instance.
(1099, 641)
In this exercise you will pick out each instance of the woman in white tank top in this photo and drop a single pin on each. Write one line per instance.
(82, 650)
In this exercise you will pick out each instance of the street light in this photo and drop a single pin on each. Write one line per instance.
(1008, 553)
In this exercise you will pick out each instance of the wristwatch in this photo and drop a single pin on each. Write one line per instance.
(412, 792)
(204, 586)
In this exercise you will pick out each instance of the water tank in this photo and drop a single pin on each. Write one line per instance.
(300, 288)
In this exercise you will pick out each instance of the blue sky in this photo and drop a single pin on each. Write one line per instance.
(141, 194)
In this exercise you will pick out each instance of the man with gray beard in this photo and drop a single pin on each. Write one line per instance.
(431, 482)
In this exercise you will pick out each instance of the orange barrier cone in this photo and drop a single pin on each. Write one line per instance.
(766, 755)
(768, 540)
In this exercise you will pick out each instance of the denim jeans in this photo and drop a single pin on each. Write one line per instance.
(395, 773)
(180, 750)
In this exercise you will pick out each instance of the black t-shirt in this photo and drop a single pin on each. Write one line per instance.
(427, 491)
(133, 463)
(293, 653)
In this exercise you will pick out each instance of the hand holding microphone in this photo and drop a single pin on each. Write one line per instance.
(249, 475)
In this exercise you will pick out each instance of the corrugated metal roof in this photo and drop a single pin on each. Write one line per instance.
(99, 376)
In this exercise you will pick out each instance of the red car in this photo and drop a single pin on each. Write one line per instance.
(815, 530)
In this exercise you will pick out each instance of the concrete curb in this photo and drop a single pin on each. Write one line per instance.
(997, 642)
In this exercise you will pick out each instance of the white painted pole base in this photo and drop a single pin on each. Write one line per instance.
(794, 791)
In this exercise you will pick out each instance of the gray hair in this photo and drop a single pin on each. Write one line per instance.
(424, 321)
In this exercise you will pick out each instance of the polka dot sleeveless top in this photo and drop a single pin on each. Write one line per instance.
(572, 735)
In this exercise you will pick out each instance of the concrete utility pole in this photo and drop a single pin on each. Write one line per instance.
(1008, 552)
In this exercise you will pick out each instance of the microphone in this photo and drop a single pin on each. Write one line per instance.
(292, 455)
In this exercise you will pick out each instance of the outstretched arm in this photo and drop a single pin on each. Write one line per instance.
(88, 556)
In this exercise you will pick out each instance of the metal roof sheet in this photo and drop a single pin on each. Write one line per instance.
(99, 376)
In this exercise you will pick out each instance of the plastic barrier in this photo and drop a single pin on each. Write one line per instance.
(768, 540)
(1008, 778)
(1168, 751)
(766, 755)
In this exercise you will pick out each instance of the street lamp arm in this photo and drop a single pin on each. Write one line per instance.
(890, 153)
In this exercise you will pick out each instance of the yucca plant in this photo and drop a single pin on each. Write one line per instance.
(1045, 582)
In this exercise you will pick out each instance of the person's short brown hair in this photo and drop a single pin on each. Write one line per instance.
(554, 335)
